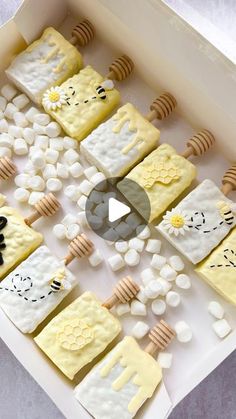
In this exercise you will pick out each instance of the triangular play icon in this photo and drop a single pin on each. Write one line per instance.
(116, 209)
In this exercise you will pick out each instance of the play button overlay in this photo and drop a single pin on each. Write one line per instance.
(110, 213)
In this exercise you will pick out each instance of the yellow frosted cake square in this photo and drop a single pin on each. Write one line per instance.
(47, 62)
(17, 240)
(164, 175)
(219, 269)
(85, 103)
(78, 334)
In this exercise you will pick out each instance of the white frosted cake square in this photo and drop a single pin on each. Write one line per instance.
(45, 63)
(121, 142)
(119, 385)
(34, 289)
(199, 222)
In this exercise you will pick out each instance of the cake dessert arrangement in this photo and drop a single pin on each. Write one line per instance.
(83, 101)
(164, 174)
(118, 144)
(84, 329)
(121, 383)
(18, 239)
(38, 285)
(49, 61)
(202, 219)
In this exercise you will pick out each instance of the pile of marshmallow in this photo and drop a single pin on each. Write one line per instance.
(221, 326)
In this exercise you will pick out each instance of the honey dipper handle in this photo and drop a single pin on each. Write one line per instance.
(82, 34)
(160, 337)
(7, 168)
(229, 180)
(45, 207)
(162, 107)
(124, 291)
(120, 68)
(79, 247)
(199, 144)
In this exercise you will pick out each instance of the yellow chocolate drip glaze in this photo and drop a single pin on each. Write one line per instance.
(145, 134)
(138, 364)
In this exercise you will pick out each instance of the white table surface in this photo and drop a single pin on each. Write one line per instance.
(20, 396)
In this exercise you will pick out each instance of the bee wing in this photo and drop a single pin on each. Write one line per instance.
(66, 284)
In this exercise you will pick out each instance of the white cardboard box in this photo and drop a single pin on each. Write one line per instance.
(169, 55)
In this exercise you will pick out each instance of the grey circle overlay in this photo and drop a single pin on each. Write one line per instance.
(127, 192)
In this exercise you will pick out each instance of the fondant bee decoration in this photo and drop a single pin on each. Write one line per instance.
(3, 223)
(101, 89)
(58, 281)
(227, 211)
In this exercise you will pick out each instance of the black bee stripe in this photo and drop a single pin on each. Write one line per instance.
(228, 212)
(56, 283)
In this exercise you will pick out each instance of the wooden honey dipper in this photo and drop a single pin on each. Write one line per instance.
(82, 34)
(79, 247)
(161, 107)
(45, 207)
(120, 68)
(199, 144)
(7, 168)
(124, 291)
(229, 180)
(160, 337)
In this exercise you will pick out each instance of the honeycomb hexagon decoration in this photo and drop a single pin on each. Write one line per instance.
(74, 334)
(164, 172)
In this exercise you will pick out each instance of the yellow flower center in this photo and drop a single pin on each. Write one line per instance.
(177, 221)
(54, 97)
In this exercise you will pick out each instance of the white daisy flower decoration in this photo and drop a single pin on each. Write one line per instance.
(54, 98)
(176, 222)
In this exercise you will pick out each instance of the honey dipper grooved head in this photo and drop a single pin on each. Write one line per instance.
(126, 289)
(161, 335)
(81, 246)
(121, 67)
(201, 142)
(48, 205)
(7, 168)
(164, 105)
(84, 32)
(230, 177)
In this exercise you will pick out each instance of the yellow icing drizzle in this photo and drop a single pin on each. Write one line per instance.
(138, 366)
(145, 134)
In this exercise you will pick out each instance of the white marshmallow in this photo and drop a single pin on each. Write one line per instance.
(22, 180)
(96, 197)
(20, 147)
(36, 183)
(158, 262)
(49, 171)
(3, 103)
(51, 155)
(10, 111)
(137, 308)
(72, 231)
(121, 246)
(39, 129)
(35, 197)
(29, 135)
(123, 229)
(143, 232)
(8, 91)
(173, 299)
(6, 140)
(82, 219)
(69, 143)
(165, 359)
(90, 171)
(21, 195)
(42, 119)
(30, 169)
(30, 114)
(111, 236)
(59, 230)
(166, 286)
(99, 180)
(168, 273)
(153, 246)
(16, 132)
(21, 101)
(1, 115)
(116, 262)
(136, 244)
(132, 257)
(183, 331)
(107, 196)
(96, 222)
(38, 160)
(85, 187)
(139, 330)
(62, 170)
(95, 258)
(101, 210)
(71, 156)
(5, 152)
(76, 170)
(72, 192)
(183, 281)
(54, 185)
(56, 143)
(158, 307)
(216, 310)
(41, 141)
(153, 289)
(147, 275)
(82, 202)
(122, 309)
(133, 220)
(53, 130)
(20, 119)
(141, 296)
(221, 328)
(69, 219)
(176, 263)
(3, 125)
